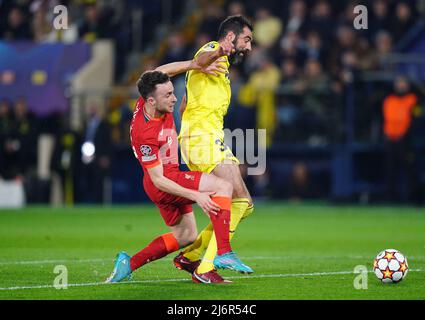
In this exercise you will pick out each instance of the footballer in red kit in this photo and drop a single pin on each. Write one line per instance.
(154, 142)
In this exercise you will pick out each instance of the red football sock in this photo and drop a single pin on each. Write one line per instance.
(157, 249)
(221, 223)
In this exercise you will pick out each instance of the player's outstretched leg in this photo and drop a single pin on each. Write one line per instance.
(158, 248)
(183, 233)
(122, 269)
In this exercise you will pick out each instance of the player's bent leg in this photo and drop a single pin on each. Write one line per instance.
(239, 211)
(227, 170)
(241, 198)
(230, 171)
(211, 183)
(225, 259)
(189, 259)
(240, 204)
(208, 183)
(241, 194)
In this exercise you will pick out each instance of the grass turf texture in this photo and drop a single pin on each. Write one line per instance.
(304, 251)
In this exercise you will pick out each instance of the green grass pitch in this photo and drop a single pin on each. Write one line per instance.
(298, 251)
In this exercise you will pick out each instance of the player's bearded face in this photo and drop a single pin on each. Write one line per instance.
(242, 44)
(237, 57)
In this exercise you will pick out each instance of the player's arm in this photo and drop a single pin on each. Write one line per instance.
(205, 58)
(175, 68)
(213, 67)
(169, 186)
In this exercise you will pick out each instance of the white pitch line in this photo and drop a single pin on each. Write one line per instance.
(288, 275)
(4, 263)
(29, 262)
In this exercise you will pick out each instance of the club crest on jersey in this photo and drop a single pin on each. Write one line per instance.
(145, 150)
(209, 47)
(189, 177)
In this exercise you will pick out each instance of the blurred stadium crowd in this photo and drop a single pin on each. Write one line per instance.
(312, 79)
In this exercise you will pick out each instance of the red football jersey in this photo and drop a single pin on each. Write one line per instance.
(154, 141)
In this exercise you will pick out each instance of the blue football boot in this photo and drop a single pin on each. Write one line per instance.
(231, 261)
(122, 269)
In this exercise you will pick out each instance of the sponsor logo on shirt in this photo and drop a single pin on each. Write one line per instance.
(149, 158)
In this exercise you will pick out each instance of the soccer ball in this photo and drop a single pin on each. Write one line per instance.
(390, 266)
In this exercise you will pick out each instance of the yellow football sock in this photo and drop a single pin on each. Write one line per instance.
(239, 206)
(195, 250)
(248, 211)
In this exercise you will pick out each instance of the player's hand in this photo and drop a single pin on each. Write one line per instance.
(204, 200)
(216, 67)
(226, 48)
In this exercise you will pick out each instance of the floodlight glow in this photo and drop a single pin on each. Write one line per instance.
(88, 149)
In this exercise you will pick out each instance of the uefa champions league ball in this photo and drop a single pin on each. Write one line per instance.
(390, 266)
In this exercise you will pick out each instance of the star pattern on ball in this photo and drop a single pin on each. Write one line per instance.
(375, 263)
(389, 256)
(403, 267)
(387, 273)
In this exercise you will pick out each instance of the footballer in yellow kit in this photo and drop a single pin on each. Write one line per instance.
(207, 100)
(202, 139)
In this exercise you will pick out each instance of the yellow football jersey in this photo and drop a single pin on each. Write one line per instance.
(208, 99)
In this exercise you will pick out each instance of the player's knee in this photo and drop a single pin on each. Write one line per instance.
(240, 191)
(186, 238)
(183, 241)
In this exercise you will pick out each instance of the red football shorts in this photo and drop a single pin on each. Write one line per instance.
(170, 206)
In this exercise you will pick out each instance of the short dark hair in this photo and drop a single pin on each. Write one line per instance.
(234, 23)
(148, 81)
